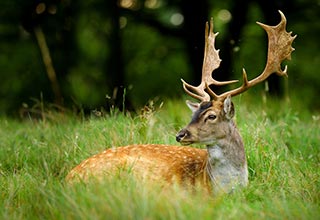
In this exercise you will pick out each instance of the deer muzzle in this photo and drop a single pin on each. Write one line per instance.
(184, 133)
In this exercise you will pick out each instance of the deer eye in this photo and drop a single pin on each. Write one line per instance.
(211, 117)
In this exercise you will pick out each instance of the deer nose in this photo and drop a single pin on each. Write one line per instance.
(181, 134)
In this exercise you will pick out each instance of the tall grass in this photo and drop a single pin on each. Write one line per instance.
(281, 140)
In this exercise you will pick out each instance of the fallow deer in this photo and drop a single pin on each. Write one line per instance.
(222, 166)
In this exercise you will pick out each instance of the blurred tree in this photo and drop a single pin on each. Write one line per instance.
(51, 18)
(114, 68)
(196, 14)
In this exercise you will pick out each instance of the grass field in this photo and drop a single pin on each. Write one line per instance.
(282, 142)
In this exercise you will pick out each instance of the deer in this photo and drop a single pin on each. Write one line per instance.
(220, 167)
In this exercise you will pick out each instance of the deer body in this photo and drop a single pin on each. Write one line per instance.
(152, 162)
(222, 166)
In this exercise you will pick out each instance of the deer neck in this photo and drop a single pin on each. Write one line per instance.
(227, 165)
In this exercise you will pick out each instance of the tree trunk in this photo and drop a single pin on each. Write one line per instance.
(115, 70)
(195, 16)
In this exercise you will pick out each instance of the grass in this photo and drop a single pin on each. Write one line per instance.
(282, 142)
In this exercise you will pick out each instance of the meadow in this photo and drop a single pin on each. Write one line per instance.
(282, 141)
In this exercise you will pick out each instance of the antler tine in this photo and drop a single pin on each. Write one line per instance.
(198, 91)
(279, 49)
(211, 61)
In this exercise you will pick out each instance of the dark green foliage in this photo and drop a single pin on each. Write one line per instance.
(103, 51)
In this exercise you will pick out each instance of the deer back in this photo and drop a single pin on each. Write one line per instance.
(152, 162)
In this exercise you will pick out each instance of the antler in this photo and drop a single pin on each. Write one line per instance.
(211, 61)
(279, 49)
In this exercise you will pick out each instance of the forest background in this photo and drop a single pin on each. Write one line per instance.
(86, 55)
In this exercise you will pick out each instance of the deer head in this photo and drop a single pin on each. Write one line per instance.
(214, 111)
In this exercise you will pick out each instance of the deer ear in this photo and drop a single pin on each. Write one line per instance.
(193, 106)
(228, 108)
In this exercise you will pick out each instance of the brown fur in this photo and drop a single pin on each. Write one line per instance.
(183, 165)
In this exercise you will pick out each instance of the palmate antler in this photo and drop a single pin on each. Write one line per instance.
(279, 49)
